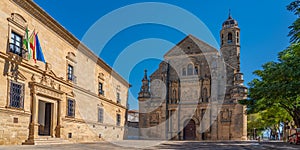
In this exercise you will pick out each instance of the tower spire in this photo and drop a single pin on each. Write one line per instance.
(145, 74)
(229, 14)
(145, 87)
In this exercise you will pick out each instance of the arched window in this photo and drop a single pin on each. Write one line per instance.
(190, 69)
(229, 37)
(183, 72)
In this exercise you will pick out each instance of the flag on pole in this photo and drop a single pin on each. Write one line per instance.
(39, 53)
(27, 43)
(35, 48)
(32, 44)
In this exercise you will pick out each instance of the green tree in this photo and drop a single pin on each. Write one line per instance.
(278, 83)
(277, 86)
(295, 27)
(270, 119)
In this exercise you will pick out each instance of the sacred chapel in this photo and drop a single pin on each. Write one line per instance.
(184, 98)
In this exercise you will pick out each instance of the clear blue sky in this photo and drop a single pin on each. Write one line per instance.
(264, 28)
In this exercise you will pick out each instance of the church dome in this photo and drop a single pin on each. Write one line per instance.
(230, 22)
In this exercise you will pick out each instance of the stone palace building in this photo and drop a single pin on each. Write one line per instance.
(183, 101)
(73, 97)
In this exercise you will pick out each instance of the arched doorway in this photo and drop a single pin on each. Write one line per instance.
(189, 131)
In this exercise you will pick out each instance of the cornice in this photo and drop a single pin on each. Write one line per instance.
(38, 13)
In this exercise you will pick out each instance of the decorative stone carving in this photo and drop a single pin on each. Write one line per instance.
(154, 118)
(100, 105)
(48, 67)
(52, 83)
(15, 73)
(33, 78)
(45, 91)
(71, 94)
(18, 20)
(101, 76)
(226, 115)
(43, 80)
(72, 57)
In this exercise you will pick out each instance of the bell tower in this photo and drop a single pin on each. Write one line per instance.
(235, 89)
(230, 48)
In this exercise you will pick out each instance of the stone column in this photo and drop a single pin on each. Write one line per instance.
(34, 126)
(58, 126)
(54, 120)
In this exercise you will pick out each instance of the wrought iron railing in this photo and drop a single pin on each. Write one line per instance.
(13, 48)
(101, 92)
(72, 78)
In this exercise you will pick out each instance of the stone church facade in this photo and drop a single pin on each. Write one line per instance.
(73, 97)
(194, 93)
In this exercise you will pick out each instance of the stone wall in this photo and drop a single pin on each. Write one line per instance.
(60, 48)
(13, 127)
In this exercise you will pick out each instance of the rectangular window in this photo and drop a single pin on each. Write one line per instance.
(100, 115)
(70, 73)
(118, 98)
(101, 92)
(71, 108)
(118, 119)
(15, 45)
(16, 95)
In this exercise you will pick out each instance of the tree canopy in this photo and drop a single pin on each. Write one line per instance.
(295, 27)
(278, 82)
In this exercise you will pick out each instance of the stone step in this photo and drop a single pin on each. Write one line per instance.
(46, 141)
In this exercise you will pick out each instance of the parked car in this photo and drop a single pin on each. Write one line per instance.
(294, 137)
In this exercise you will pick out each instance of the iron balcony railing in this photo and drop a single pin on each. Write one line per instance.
(13, 48)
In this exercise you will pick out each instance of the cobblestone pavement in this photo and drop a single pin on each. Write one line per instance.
(245, 145)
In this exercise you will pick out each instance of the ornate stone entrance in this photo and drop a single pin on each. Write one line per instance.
(189, 131)
(45, 111)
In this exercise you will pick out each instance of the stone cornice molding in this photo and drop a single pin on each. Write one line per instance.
(44, 90)
(38, 13)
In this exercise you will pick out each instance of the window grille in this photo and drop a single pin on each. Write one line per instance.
(16, 95)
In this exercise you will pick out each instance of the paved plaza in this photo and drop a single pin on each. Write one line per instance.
(230, 145)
